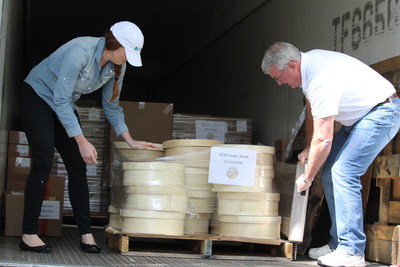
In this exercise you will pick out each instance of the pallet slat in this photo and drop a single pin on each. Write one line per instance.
(382, 243)
(202, 246)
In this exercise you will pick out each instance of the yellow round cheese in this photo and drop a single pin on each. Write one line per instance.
(198, 171)
(124, 145)
(190, 143)
(247, 207)
(261, 196)
(258, 148)
(138, 154)
(152, 178)
(154, 165)
(161, 190)
(197, 224)
(198, 187)
(261, 185)
(152, 214)
(250, 226)
(202, 194)
(201, 205)
(196, 178)
(156, 202)
(152, 222)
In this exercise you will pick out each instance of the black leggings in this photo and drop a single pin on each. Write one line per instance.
(44, 133)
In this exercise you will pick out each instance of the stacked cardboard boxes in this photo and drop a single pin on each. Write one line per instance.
(96, 129)
(18, 167)
(147, 121)
(227, 130)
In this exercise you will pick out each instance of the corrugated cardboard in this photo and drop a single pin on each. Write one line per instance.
(18, 150)
(14, 208)
(18, 169)
(17, 137)
(147, 121)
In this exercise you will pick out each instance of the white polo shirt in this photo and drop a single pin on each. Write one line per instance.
(341, 86)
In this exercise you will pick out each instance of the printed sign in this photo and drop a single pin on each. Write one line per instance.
(50, 210)
(211, 130)
(232, 166)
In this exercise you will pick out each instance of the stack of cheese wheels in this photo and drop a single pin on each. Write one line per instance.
(195, 154)
(250, 211)
(121, 152)
(155, 198)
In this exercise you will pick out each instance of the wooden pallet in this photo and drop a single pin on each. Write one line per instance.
(383, 243)
(383, 236)
(208, 246)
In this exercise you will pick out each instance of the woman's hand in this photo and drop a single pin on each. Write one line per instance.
(142, 144)
(138, 144)
(87, 150)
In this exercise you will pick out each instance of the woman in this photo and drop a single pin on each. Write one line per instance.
(49, 119)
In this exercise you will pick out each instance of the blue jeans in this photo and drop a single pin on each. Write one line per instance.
(353, 150)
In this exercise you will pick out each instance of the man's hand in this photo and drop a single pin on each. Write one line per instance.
(303, 183)
(303, 156)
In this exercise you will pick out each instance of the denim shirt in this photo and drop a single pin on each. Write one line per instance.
(73, 70)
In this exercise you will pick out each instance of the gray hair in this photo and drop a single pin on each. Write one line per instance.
(279, 54)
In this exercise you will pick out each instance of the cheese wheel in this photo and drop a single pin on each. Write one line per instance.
(261, 185)
(152, 222)
(156, 202)
(197, 224)
(190, 143)
(250, 226)
(138, 154)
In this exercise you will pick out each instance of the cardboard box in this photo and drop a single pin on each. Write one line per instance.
(18, 150)
(18, 169)
(280, 149)
(51, 209)
(396, 190)
(225, 129)
(147, 121)
(17, 137)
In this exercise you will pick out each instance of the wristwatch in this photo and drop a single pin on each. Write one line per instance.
(307, 181)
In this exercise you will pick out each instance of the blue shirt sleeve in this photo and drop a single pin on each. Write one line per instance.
(73, 62)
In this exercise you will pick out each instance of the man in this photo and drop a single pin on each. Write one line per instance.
(338, 88)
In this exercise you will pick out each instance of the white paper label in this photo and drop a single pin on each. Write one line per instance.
(22, 162)
(241, 126)
(232, 166)
(211, 130)
(23, 150)
(91, 169)
(22, 138)
(142, 105)
(50, 210)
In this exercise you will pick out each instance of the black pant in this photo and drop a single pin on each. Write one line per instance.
(44, 133)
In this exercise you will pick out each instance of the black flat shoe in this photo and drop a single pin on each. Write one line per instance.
(38, 249)
(90, 248)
